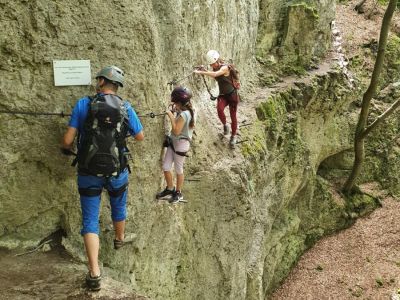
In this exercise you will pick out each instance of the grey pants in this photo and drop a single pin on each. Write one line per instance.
(178, 160)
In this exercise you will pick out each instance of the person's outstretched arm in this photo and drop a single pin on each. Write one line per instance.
(223, 71)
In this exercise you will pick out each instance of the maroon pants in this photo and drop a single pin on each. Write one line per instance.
(223, 101)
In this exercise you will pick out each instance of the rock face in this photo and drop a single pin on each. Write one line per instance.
(152, 41)
(295, 33)
(251, 213)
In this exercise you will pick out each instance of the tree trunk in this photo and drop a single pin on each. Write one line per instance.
(381, 118)
(362, 121)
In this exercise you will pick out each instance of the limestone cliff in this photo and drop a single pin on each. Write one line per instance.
(251, 212)
(295, 33)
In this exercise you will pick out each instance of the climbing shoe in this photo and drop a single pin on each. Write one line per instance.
(176, 197)
(93, 282)
(165, 192)
(226, 129)
(233, 141)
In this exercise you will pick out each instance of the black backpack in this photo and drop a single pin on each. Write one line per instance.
(103, 150)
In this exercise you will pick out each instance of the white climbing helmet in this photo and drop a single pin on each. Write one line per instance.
(212, 56)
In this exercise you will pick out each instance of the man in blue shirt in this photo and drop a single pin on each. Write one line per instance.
(90, 186)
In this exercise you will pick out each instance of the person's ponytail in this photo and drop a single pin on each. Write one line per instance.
(188, 106)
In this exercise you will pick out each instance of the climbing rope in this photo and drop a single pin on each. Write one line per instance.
(242, 141)
(62, 114)
(31, 113)
(212, 97)
(175, 81)
(152, 115)
(246, 124)
(38, 247)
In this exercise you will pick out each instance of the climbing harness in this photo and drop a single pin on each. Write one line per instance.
(31, 113)
(168, 143)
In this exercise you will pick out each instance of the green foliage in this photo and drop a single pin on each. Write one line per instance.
(293, 69)
(392, 58)
(360, 204)
(310, 10)
(271, 110)
(256, 147)
(386, 2)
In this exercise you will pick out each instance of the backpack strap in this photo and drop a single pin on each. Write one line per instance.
(235, 86)
(75, 160)
(125, 154)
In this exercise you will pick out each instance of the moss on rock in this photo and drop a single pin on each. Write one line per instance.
(391, 71)
(300, 22)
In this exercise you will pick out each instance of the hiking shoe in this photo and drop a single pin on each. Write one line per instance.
(233, 141)
(93, 282)
(226, 129)
(165, 192)
(129, 238)
(176, 197)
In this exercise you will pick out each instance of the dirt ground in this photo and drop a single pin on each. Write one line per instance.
(52, 275)
(362, 262)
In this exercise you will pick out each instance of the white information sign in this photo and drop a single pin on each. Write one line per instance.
(71, 72)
